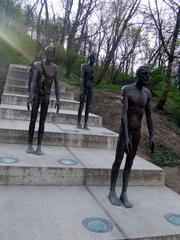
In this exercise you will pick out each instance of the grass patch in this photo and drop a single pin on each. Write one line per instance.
(15, 46)
(116, 88)
(73, 80)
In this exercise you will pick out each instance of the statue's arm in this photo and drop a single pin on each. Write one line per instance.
(57, 90)
(125, 117)
(33, 82)
(150, 123)
(82, 80)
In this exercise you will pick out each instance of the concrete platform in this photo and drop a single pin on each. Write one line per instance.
(17, 112)
(58, 212)
(10, 89)
(17, 99)
(15, 131)
(93, 167)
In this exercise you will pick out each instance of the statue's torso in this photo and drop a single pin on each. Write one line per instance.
(88, 75)
(137, 101)
(45, 78)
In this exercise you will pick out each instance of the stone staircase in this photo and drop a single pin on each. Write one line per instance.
(96, 147)
(71, 180)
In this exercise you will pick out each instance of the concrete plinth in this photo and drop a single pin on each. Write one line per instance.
(24, 91)
(17, 112)
(17, 99)
(92, 167)
(57, 135)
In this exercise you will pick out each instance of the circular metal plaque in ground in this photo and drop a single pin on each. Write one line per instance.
(68, 162)
(173, 218)
(108, 133)
(98, 225)
(8, 160)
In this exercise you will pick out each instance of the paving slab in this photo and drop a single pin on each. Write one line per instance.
(146, 219)
(58, 212)
(88, 169)
(18, 112)
(98, 163)
(49, 213)
(17, 99)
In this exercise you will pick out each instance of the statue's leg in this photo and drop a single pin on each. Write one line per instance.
(43, 114)
(135, 136)
(34, 113)
(81, 105)
(115, 171)
(88, 103)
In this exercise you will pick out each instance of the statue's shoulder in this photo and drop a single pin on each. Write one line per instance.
(127, 88)
(55, 65)
(147, 91)
(37, 65)
(85, 65)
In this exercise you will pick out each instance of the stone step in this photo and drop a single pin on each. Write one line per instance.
(18, 75)
(24, 83)
(16, 99)
(24, 91)
(17, 82)
(18, 67)
(89, 167)
(16, 131)
(18, 112)
(46, 212)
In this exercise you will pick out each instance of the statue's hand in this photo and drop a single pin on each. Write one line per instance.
(151, 144)
(29, 102)
(57, 106)
(128, 145)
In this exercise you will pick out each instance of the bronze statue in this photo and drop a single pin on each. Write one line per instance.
(86, 90)
(43, 74)
(136, 99)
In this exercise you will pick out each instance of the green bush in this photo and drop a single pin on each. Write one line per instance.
(163, 156)
(157, 76)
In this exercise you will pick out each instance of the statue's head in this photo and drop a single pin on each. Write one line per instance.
(92, 58)
(143, 75)
(49, 52)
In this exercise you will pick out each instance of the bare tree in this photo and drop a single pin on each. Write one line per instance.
(120, 25)
(67, 6)
(169, 48)
(84, 10)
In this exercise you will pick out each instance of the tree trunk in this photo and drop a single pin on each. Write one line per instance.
(166, 85)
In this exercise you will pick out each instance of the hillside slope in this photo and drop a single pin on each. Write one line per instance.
(15, 46)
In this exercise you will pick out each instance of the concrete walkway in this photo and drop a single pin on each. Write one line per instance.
(44, 213)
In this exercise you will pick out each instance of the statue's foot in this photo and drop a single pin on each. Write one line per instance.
(30, 149)
(125, 200)
(39, 152)
(79, 126)
(86, 127)
(114, 199)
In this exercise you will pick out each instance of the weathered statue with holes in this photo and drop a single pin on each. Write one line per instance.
(43, 74)
(136, 99)
(86, 90)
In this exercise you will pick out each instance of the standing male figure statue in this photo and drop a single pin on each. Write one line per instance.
(86, 90)
(136, 99)
(44, 73)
